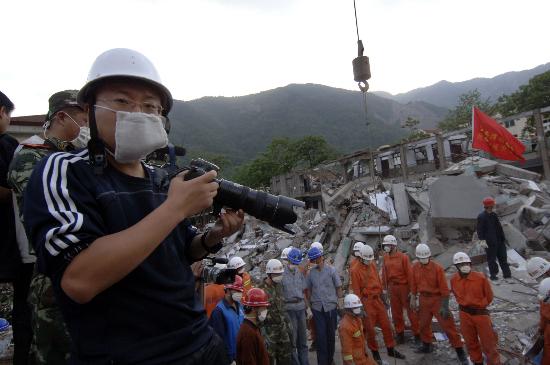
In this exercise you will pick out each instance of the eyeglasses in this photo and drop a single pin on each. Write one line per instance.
(127, 105)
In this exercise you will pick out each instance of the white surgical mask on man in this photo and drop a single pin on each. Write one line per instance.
(387, 248)
(83, 137)
(237, 296)
(465, 269)
(356, 310)
(424, 261)
(277, 279)
(137, 135)
(263, 315)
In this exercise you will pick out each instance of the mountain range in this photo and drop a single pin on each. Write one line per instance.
(241, 127)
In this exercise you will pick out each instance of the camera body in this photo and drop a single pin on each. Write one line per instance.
(216, 275)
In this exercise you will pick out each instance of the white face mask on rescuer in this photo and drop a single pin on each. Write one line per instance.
(356, 310)
(277, 279)
(237, 297)
(137, 135)
(387, 248)
(83, 137)
(465, 269)
(424, 261)
(263, 315)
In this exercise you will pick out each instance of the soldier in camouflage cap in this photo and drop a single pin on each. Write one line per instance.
(65, 129)
(276, 327)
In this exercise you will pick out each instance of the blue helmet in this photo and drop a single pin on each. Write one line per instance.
(295, 256)
(314, 253)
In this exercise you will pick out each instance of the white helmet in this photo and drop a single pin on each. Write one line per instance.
(284, 253)
(367, 253)
(235, 263)
(357, 248)
(389, 240)
(319, 245)
(274, 266)
(124, 63)
(544, 289)
(537, 266)
(423, 251)
(461, 257)
(352, 301)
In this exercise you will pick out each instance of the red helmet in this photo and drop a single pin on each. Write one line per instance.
(256, 297)
(488, 202)
(237, 284)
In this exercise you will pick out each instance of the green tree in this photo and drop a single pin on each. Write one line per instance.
(415, 133)
(310, 151)
(461, 115)
(535, 94)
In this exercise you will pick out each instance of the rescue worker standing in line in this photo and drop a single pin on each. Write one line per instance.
(294, 285)
(251, 349)
(396, 275)
(491, 238)
(473, 293)
(544, 324)
(227, 317)
(430, 297)
(350, 330)
(237, 263)
(538, 268)
(277, 331)
(325, 296)
(65, 129)
(368, 286)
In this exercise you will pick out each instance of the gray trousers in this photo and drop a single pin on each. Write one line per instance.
(299, 337)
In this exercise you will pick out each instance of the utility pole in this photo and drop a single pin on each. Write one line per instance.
(541, 142)
(440, 151)
(403, 158)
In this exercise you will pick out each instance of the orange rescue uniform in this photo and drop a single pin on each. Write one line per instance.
(430, 283)
(352, 339)
(247, 283)
(366, 285)
(213, 293)
(473, 294)
(545, 330)
(397, 274)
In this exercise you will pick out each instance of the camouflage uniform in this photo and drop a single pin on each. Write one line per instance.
(51, 342)
(276, 327)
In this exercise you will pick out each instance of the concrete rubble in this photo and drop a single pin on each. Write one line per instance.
(440, 210)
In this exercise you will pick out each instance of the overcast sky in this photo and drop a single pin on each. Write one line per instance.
(239, 47)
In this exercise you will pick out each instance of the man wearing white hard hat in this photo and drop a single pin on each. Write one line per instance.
(351, 333)
(115, 242)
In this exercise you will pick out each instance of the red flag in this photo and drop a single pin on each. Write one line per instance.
(491, 137)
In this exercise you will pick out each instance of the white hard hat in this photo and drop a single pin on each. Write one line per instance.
(423, 251)
(367, 253)
(389, 240)
(544, 289)
(319, 245)
(357, 246)
(461, 257)
(124, 63)
(352, 301)
(235, 263)
(284, 253)
(274, 266)
(537, 266)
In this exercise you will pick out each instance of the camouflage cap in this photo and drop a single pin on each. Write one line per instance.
(60, 100)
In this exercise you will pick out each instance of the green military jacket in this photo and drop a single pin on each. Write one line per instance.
(277, 324)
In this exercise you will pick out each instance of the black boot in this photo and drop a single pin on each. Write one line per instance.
(376, 357)
(417, 341)
(462, 356)
(478, 363)
(392, 352)
(400, 338)
(426, 348)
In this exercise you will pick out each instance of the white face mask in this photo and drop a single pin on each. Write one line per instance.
(277, 279)
(367, 261)
(263, 315)
(387, 248)
(83, 137)
(240, 271)
(356, 310)
(465, 269)
(137, 135)
(357, 253)
(424, 261)
(237, 296)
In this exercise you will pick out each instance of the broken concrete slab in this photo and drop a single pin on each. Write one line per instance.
(455, 200)
(512, 171)
(384, 203)
(514, 237)
(420, 197)
(372, 230)
(284, 243)
(401, 203)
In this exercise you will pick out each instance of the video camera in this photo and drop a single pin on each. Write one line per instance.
(216, 275)
(277, 210)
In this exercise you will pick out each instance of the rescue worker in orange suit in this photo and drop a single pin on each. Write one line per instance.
(430, 297)
(237, 263)
(354, 260)
(396, 276)
(367, 286)
(350, 330)
(473, 293)
(251, 349)
(544, 327)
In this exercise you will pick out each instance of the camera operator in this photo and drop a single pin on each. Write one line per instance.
(118, 247)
